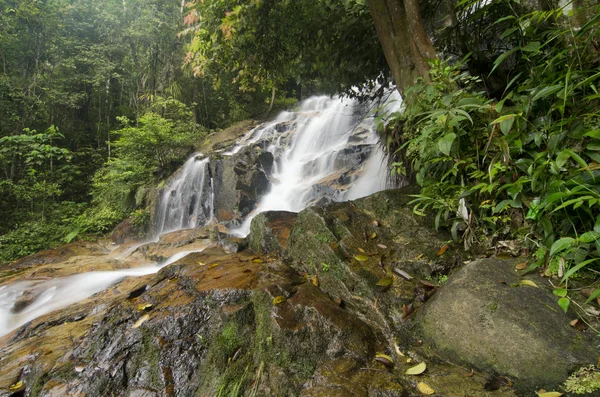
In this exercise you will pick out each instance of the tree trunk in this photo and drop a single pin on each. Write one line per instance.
(405, 43)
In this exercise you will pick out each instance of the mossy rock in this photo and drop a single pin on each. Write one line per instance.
(485, 319)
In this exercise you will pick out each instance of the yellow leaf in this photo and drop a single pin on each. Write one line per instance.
(140, 321)
(361, 258)
(257, 260)
(213, 265)
(384, 359)
(17, 386)
(419, 256)
(417, 369)
(549, 394)
(385, 282)
(528, 283)
(201, 263)
(373, 235)
(361, 250)
(315, 281)
(424, 388)
(144, 306)
(279, 299)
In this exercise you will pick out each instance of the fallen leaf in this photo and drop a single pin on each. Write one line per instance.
(140, 321)
(549, 394)
(144, 306)
(419, 256)
(373, 236)
(257, 260)
(385, 282)
(279, 299)
(375, 223)
(469, 374)
(407, 310)
(417, 369)
(315, 281)
(17, 386)
(587, 292)
(384, 359)
(402, 274)
(382, 246)
(424, 388)
(427, 283)
(361, 258)
(574, 322)
(212, 266)
(443, 249)
(521, 266)
(528, 283)
(247, 271)
(361, 250)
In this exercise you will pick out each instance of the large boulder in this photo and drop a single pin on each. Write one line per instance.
(487, 319)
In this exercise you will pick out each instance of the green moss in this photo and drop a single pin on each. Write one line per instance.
(225, 345)
(586, 380)
(324, 237)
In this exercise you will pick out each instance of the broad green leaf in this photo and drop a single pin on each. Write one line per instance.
(561, 245)
(445, 144)
(564, 304)
(561, 292)
(417, 369)
(588, 237)
(361, 258)
(532, 46)
(547, 91)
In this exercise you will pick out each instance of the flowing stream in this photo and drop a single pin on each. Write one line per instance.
(329, 151)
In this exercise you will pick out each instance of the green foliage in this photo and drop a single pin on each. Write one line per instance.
(586, 380)
(527, 163)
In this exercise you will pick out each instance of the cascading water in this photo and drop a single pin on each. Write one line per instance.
(329, 132)
(24, 301)
(325, 150)
(187, 201)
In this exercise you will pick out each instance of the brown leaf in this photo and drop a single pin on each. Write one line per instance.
(385, 360)
(427, 284)
(247, 271)
(443, 249)
(469, 374)
(407, 310)
(521, 266)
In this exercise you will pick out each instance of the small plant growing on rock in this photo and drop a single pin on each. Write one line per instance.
(586, 380)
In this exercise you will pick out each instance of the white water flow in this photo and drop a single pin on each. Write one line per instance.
(187, 201)
(324, 129)
(24, 301)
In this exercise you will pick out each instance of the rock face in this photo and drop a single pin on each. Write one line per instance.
(303, 312)
(482, 318)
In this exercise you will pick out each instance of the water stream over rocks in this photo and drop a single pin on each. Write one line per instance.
(325, 151)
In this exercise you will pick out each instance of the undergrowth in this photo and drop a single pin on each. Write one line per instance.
(523, 166)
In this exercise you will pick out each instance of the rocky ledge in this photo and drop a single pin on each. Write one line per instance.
(339, 300)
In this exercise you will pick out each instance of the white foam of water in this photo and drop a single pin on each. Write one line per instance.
(324, 126)
(183, 203)
(50, 295)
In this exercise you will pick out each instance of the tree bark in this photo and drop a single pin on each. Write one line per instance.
(405, 43)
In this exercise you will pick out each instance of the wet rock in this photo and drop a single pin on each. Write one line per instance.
(483, 318)
(269, 231)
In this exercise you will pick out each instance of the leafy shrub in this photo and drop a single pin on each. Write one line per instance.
(526, 165)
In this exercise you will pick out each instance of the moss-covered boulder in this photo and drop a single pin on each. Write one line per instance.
(269, 231)
(485, 317)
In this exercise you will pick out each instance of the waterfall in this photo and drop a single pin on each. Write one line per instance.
(327, 150)
(187, 201)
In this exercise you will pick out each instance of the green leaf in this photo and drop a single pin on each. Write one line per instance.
(562, 292)
(588, 237)
(561, 245)
(564, 304)
(416, 370)
(575, 269)
(593, 296)
(445, 144)
(532, 46)
(547, 91)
